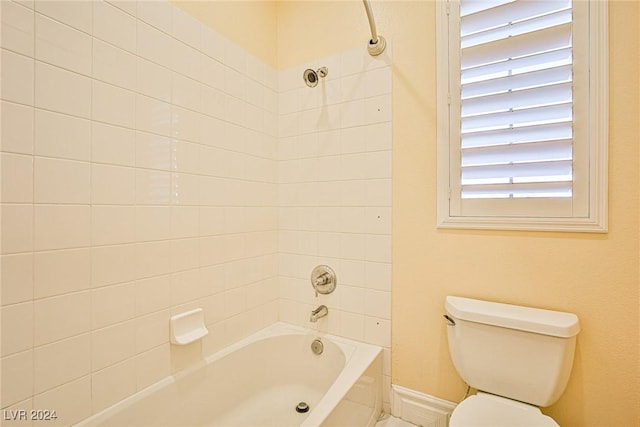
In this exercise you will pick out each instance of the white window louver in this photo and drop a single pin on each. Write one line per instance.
(516, 99)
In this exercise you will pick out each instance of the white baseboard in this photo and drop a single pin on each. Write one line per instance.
(419, 408)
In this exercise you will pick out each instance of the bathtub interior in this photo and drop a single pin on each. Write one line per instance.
(259, 381)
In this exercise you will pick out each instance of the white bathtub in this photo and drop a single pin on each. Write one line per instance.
(259, 381)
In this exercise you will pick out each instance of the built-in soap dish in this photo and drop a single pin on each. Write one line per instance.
(188, 327)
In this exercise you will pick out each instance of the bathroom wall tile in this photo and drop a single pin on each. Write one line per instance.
(112, 185)
(113, 105)
(378, 276)
(112, 304)
(378, 248)
(153, 151)
(352, 299)
(153, 116)
(152, 79)
(151, 330)
(185, 189)
(185, 287)
(61, 45)
(377, 220)
(353, 87)
(112, 145)
(152, 295)
(378, 192)
(61, 362)
(352, 62)
(53, 86)
(16, 185)
(76, 14)
(378, 303)
(112, 384)
(17, 28)
(17, 127)
(61, 272)
(17, 228)
(128, 6)
(153, 45)
(114, 26)
(114, 65)
(185, 221)
(153, 223)
(352, 325)
(185, 124)
(378, 109)
(16, 274)
(212, 43)
(212, 72)
(152, 259)
(152, 366)
(153, 187)
(62, 136)
(19, 70)
(112, 224)
(112, 264)
(377, 331)
(185, 254)
(157, 14)
(185, 28)
(17, 329)
(185, 156)
(112, 344)
(72, 401)
(61, 181)
(213, 104)
(186, 92)
(186, 60)
(378, 136)
(16, 382)
(61, 317)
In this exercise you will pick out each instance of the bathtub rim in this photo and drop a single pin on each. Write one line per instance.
(358, 357)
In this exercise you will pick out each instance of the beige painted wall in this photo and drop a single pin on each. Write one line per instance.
(594, 276)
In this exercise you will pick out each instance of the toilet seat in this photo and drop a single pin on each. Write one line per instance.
(487, 410)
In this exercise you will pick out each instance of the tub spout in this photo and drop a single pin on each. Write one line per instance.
(318, 313)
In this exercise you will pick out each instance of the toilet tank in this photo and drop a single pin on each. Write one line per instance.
(521, 353)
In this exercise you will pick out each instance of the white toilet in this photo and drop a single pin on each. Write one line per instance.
(518, 358)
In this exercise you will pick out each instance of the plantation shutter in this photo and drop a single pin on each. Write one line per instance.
(516, 112)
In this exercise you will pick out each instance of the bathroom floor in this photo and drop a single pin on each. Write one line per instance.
(394, 422)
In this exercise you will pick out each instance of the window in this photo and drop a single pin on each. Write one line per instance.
(522, 114)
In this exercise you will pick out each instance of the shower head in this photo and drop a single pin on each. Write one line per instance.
(311, 77)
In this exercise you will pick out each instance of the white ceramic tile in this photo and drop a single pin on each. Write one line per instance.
(378, 192)
(153, 151)
(153, 116)
(377, 331)
(112, 304)
(16, 185)
(186, 92)
(71, 400)
(53, 86)
(76, 14)
(185, 124)
(61, 181)
(17, 228)
(153, 187)
(185, 28)
(61, 272)
(378, 109)
(353, 61)
(378, 276)
(212, 43)
(17, 377)
(378, 136)
(152, 366)
(62, 136)
(112, 344)
(352, 299)
(185, 287)
(112, 185)
(213, 104)
(152, 259)
(112, 384)
(17, 278)
(378, 248)
(63, 46)
(185, 156)
(153, 223)
(378, 303)
(17, 127)
(114, 65)
(152, 295)
(154, 45)
(212, 72)
(377, 220)
(61, 317)
(185, 189)
(157, 14)
(378, 164)
(18, 70)
(153, 80)
(112, 264)
(185, 221)
(129, 6)
(186, 60)
(17, 28)
(378, 81)
(112, 144)
(113, 105)
(151, 330)
(112, 224)
(185, 254)
(61, 362)
(352, 325)
(19, 336)
(114, 26)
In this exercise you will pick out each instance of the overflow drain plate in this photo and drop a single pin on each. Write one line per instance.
(302, 407)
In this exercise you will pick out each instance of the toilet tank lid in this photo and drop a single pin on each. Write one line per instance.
(536, 320)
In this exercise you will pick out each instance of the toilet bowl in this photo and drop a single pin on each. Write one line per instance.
(487, 410)
(518, 358)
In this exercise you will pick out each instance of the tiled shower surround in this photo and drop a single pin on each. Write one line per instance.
(150, 166)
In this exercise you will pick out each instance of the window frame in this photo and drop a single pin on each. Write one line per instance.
(593, 169)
